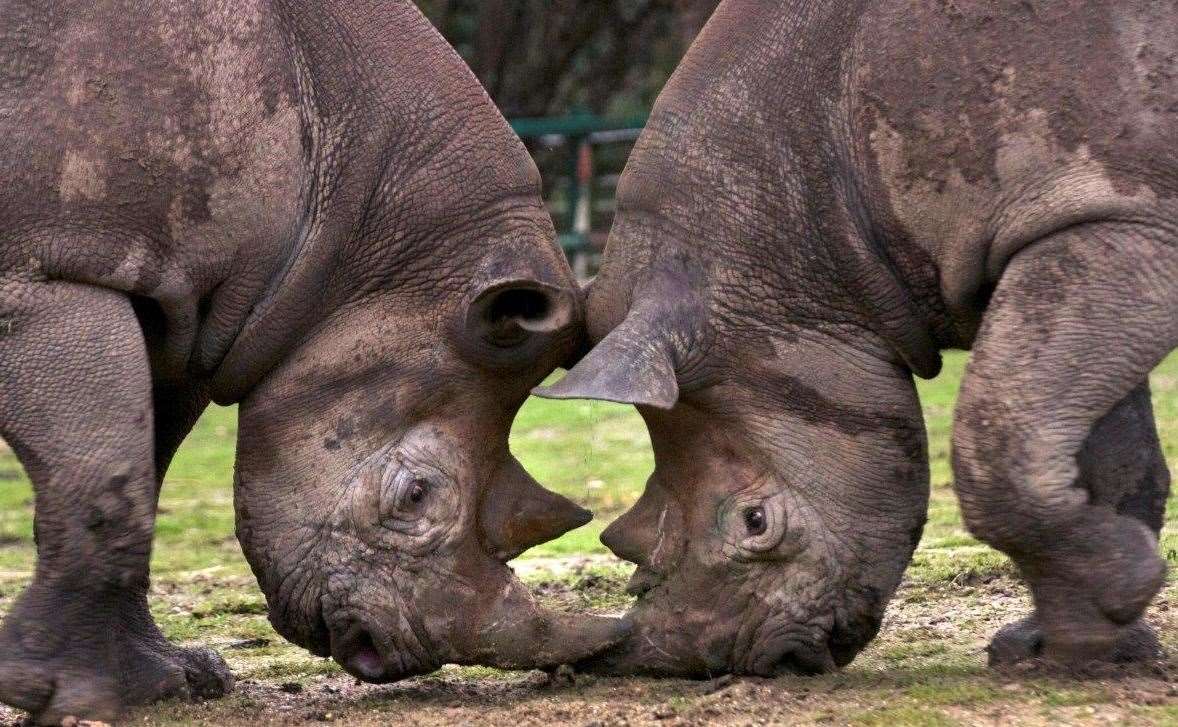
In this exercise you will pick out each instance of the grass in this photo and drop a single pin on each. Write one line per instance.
(925, 669)
(597, 454)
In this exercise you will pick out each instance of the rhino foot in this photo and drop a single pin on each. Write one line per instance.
(63, 658)
(1023, 640)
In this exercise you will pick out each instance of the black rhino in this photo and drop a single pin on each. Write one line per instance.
(314, 210)
(828, 195)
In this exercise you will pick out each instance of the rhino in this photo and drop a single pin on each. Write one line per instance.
(314, 211)
(828, 195)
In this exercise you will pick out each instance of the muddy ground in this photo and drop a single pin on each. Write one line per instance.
(927, 668)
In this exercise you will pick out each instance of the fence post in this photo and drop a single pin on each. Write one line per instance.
(582, 208)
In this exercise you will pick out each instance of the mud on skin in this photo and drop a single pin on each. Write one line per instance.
(314, 211)
(799, 233)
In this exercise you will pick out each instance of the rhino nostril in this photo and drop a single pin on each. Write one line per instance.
(366, 658)
(788, 664)
(793, 657)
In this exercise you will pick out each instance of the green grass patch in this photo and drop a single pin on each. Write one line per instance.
(954, 693)
(595, 588)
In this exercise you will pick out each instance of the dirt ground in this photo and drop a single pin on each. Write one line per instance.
(927, 668)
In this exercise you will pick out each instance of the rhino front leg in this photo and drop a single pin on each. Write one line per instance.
(1043, 472)
(1122, 466)
(75, 404)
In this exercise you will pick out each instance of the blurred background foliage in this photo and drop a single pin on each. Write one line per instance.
(550, 58)
(562, 58)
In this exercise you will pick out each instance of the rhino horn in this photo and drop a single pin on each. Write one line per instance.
(517, 513)
(632, 365)
(516, 633)
(647, 534)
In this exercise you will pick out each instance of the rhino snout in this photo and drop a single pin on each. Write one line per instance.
(662, 646)
(804, 657)
(366, 656)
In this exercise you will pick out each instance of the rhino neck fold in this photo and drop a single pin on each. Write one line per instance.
(380, 193)
(880, 290)
(291, 306)
(294, 301)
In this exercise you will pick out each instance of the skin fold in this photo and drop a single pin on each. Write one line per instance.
(828, 195)
(311, 210)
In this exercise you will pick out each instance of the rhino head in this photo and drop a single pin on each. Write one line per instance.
(377, 501)
(790, 484)
(771, 354)
(376, 496)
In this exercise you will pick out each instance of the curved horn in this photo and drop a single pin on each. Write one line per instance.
(623, 369)
(516, 633)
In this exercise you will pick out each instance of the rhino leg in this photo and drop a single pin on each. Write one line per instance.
(1043, 470)
(1121, 466)
(75, 405)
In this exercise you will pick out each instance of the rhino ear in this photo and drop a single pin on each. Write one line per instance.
(506, 313)
(515, 322)
(517, 513)
(631, 365)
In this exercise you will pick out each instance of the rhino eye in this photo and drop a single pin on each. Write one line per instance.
(756, 527)
(755, 522)
(413, 493)
(405, 495)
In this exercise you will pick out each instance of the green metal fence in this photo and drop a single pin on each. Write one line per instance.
(578, 136)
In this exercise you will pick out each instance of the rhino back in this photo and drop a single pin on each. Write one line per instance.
(149, 147)
(983, 126)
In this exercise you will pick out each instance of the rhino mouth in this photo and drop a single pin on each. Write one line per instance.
(663, 645)
(367, 657)
(368, 649)
(797, 657)
(648, 655)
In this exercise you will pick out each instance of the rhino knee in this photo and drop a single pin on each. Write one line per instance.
(985, 460)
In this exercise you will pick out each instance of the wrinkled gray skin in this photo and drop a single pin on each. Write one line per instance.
(311, 209)
(830, 193)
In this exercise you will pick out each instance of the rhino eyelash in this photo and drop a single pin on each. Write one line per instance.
(420, 465)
